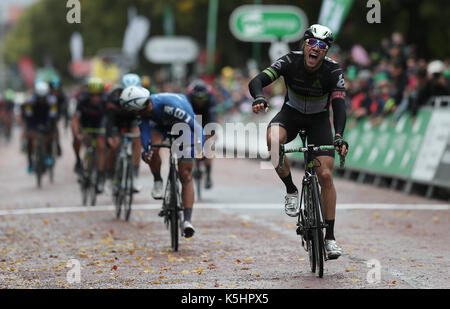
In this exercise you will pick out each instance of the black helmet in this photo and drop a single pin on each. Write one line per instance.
(199, 90)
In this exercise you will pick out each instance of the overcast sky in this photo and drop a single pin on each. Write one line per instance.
(4, 4)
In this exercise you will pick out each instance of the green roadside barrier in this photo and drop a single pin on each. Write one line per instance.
(389, 149)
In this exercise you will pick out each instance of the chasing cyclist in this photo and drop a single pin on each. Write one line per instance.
(90, 113)
(40, 114)
(121, 121)
(204, 104)
(313, 81)
(159, 113)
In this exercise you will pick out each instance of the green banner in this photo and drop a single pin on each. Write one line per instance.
(333, 14)
(389, 148)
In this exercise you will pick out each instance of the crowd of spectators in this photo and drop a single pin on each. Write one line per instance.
(390, 81)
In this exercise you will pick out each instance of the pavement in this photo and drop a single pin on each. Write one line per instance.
(243, 238)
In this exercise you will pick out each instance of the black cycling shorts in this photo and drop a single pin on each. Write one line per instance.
(317, 126)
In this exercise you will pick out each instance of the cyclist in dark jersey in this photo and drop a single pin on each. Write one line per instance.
(61, 100)
(90, 113)
(204, 104)
(313, 81)
(40, 114)
(120, 121)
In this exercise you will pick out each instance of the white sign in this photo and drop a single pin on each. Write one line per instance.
(174, 49)
(76, 47)
(278, 50)
(433, 146)
(135, 35)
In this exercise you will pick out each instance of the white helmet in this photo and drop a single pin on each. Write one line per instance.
(42, 89)
(134, 99)
(435, 67)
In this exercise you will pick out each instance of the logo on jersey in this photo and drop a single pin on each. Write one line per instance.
(317, 84)
(341, 82)
(277, 64)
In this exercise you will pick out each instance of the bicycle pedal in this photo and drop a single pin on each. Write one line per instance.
(162, 213)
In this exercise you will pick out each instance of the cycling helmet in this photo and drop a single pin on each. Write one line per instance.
(134, 99)
(95, 85)
(55, 83)
(199, 90)
(319, 32)
(131, 79)
(146, 81)
(435, 67)
(10, 95)
(42, 89)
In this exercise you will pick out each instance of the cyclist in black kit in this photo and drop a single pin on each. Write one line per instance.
(313, 81)
(203, 101)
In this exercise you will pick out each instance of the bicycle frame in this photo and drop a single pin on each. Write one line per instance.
(311, 218)
(172, 198)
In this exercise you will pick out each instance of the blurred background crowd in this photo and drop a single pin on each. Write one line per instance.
(385, 73)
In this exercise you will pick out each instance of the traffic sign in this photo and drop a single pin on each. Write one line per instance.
(173, 49)
(267, 23)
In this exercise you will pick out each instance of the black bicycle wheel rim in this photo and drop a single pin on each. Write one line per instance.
(173, 206)
(93, 179)
(318, 234)
(117, 183)
(128, 191)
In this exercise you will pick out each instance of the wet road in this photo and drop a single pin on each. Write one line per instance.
(243, 238)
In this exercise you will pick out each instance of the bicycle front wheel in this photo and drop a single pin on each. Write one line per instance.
(128, 199)
(173, 211)
(317, 231)
(117, 188)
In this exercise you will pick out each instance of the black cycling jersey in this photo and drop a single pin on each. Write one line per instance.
(307, 92)
(206, 109)
(118, 119)
(91, 115)
(40, 112)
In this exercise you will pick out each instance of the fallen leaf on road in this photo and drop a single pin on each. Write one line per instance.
(351, 269)
(355, 280)
(156, 282)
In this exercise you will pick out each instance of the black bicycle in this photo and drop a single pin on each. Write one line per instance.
(197, 174)
(172, 207)
(89, 176)
(310, 222)
(124, 176)
(40, 156)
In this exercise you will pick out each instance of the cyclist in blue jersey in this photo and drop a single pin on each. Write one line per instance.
(160, 112)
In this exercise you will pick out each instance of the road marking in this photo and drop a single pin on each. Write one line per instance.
(243, 206)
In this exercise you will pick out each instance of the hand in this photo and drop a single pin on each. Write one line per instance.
(260, 104)
(147, 156)
(341, 145)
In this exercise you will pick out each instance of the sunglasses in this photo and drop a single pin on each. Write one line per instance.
(313, 42)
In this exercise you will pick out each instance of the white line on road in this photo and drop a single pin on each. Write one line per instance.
(249, 206)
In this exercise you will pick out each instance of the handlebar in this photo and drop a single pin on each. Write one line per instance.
(312, 149)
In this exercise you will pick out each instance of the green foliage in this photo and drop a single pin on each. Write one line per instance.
(44, 34)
